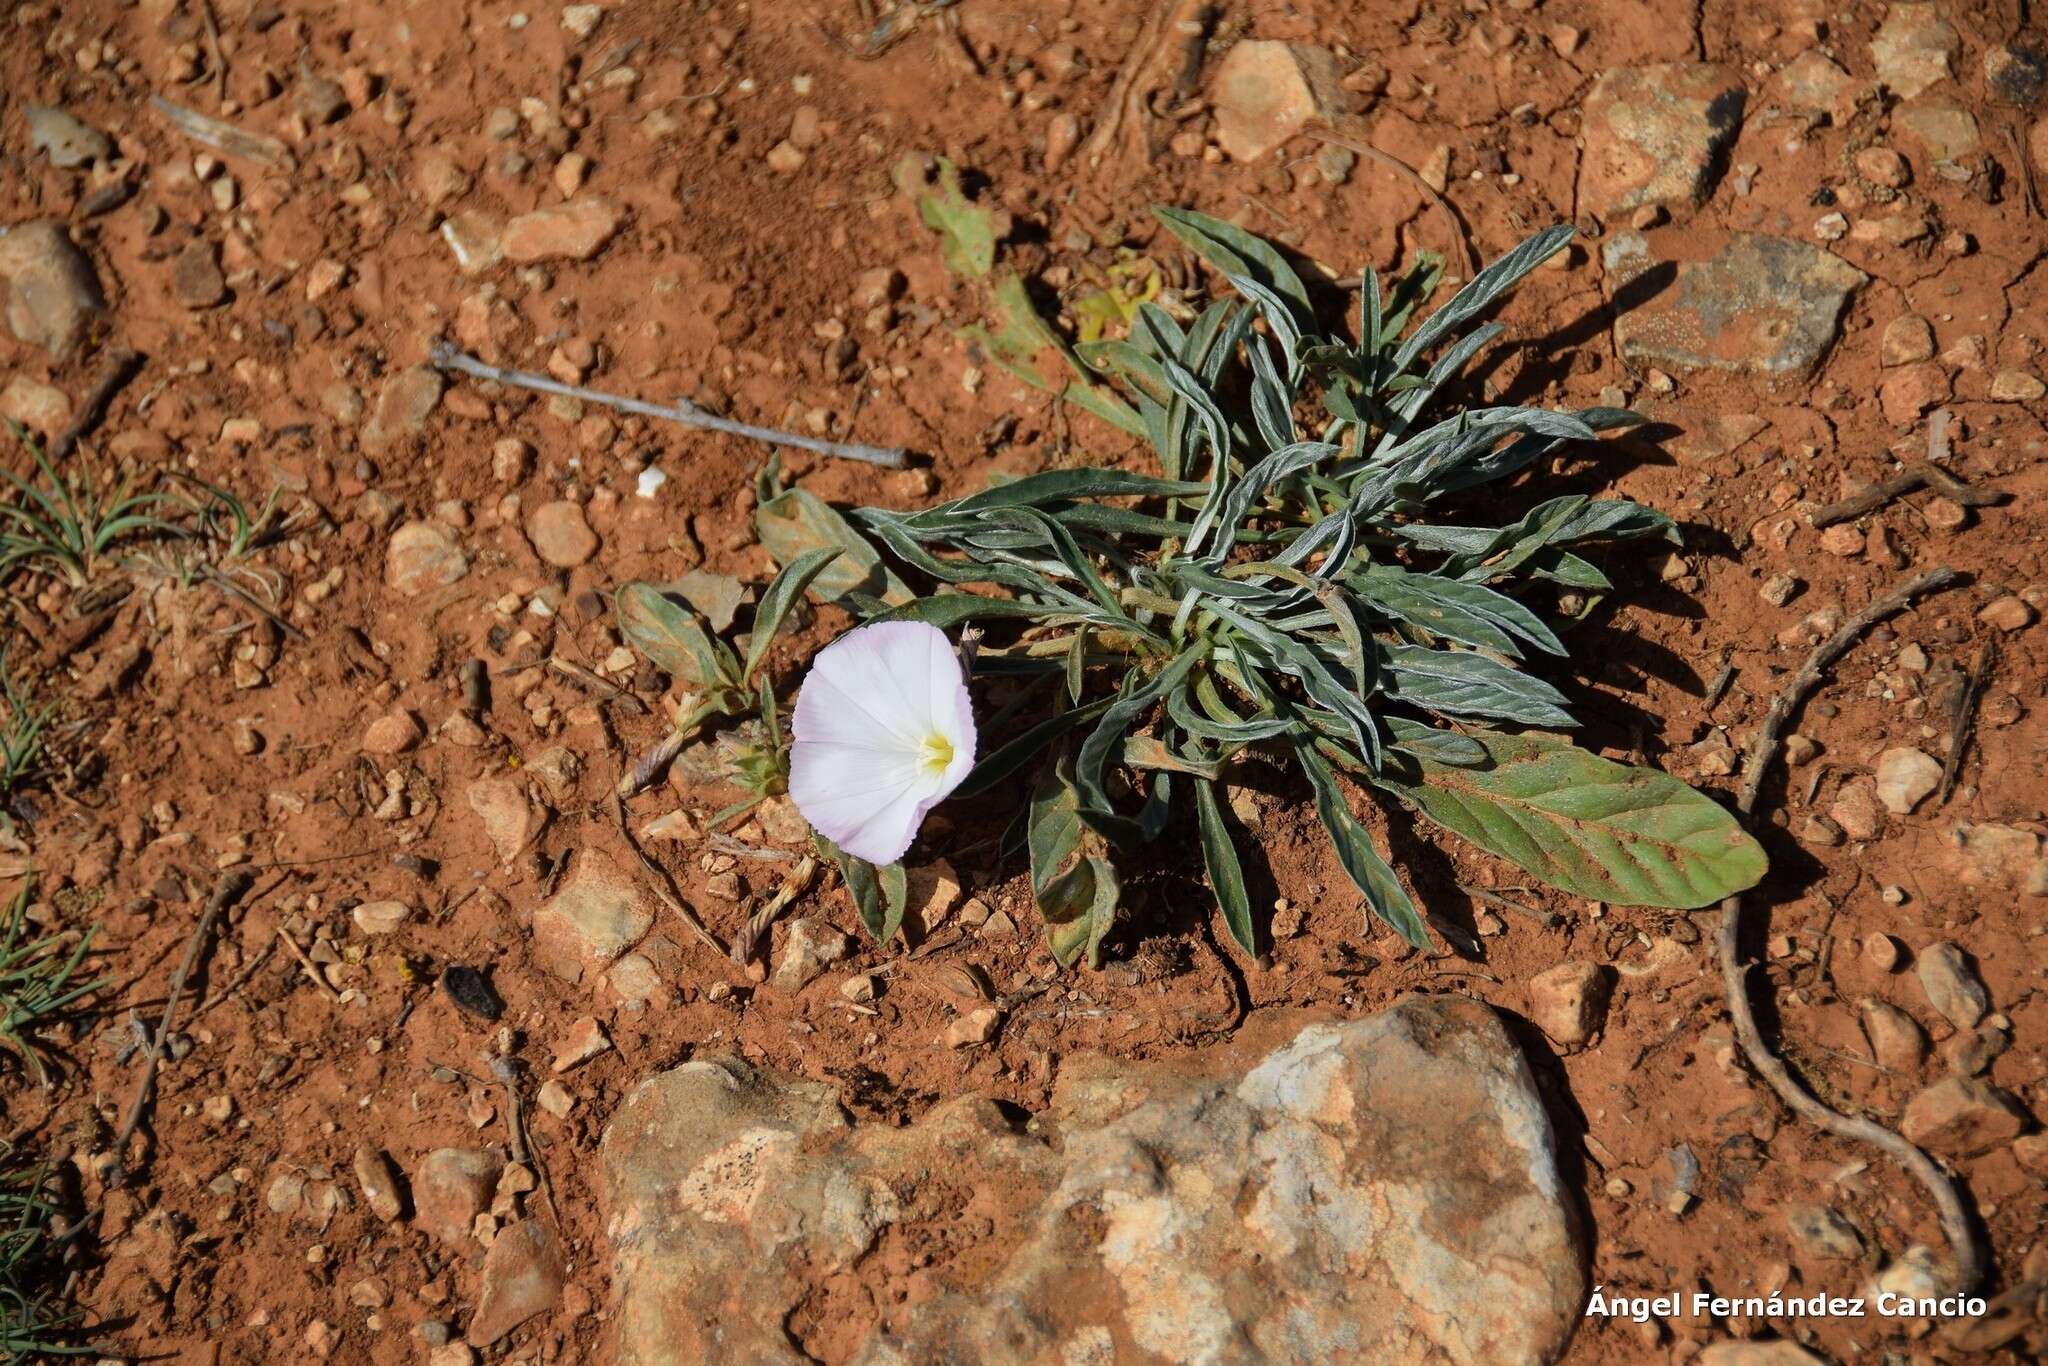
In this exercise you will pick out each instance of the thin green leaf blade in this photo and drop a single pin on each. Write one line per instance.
(1226, 875)
(782, 595)
(1630, 836)
(1384, 894)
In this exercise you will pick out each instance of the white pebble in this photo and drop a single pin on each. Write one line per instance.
(651, 480)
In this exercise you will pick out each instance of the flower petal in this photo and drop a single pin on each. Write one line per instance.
(875, 708)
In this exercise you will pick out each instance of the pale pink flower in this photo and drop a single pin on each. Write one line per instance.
(884, 730)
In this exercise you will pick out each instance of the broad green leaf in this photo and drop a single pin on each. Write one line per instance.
(797, 522)
(669, 634)
(1226, 877)
(781, 596)
(880, 894)
(1630, 836)
(1074, 886)
(1385, 897)
(966, 232)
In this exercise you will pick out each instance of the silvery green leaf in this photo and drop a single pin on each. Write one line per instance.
(1107, 737)
(880, 894)
(1385, 897)
(1219, 859)
(656, 624)
(1233, 251)
(1286, 331)
(1459, 683)
(1461, 611)
(992, 769)
(1270, 407)
(783, 594)
(1488, 285)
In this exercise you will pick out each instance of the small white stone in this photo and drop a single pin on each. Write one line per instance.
(650, 482)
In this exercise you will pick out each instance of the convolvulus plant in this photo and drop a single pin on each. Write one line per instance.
(1288, 581)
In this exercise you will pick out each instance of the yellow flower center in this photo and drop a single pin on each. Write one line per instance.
(935, 755)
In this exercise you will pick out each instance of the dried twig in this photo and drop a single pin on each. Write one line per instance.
(225, 892)
(117, 366)
(1956, 1224)
(657, 757)
(603, 687)
(222, 137)
(312, 968)
(1965, 709)
(662, 888)
(749, 937)
(1123, 107)
(1921, 474)
(1409, 174)
(447, 357)
(1499, 902)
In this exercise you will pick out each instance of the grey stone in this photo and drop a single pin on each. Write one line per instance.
(53, 294)
(1761, 305)
(1658, 136)
(1383, 1188)
(1952, 987)
(1823, 1232)
(66, 140)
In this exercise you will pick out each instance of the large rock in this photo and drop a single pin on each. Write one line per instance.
(1760, 305)
(53, 295)
(1914, 50)
(1381, 1189)
(1658, 136)
(1266, 92)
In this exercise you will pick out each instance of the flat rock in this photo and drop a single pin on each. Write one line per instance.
(1907, 338)
(1914, 50)
(1962, 1117)
(1658, 136)
(560, 534)
(1895, 1038)
(599, 914)
(507, 813)
(1989, 853)
(1811, 81)
(451, 1187)
(66, 140)
(196, 276)
(1905, 778)
(523, 1276)
(53, 294)
(1385, 1188)
(807, 951)
(404, 404)
(1911, 390)
(423, 556)
(565, 232)
(1266, 92)
(1761, 305)
(1944, 130)
(37, 406)
(1951, 985)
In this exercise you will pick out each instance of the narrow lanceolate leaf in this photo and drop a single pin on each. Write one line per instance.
(656, 624)
(797, 521)
(1233, 251)
(1488, 285)
(1631, 836)
(1459, 683)
(1384, 894)
(1466, 612)
(783, 594)
(992, 769)
(880, 894)
(1219, 856)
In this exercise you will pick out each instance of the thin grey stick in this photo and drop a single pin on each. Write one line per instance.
(228, 890)
(447, 357)
(1956, 1224)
